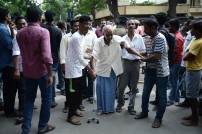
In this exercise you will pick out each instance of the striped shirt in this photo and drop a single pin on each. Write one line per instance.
(158, 44)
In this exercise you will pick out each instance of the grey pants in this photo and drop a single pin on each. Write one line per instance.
(129, 77)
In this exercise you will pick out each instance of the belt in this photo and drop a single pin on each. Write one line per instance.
(135, 60)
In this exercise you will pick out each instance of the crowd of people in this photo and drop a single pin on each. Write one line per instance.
(34, 54)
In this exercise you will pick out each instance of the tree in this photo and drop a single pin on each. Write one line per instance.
(113, 8)
(89, 8)
(172, 8)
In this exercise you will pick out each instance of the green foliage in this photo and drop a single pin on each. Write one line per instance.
(89, 7)
(59, 6)
(133, 2)
(16, 5)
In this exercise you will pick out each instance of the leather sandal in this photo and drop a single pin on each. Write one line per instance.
(141, 115)
(156, 123)
(118, 109)
(48, 128)
(189, 123)
(73, 121)
(132, 111)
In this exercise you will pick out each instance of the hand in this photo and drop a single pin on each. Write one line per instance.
(12, 25)
(122, 44)
(49, 81)
(93, 75)
(143, 58)
(16, 75)
(88, 50)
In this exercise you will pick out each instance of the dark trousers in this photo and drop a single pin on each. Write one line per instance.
(89, 86)
(20, 86)
(9, 90)
(73, 88)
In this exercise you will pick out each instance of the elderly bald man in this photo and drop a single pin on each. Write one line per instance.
(107, 64)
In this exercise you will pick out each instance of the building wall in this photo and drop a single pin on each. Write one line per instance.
(142, 10)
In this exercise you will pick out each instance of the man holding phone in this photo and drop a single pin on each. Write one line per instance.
(6, 58)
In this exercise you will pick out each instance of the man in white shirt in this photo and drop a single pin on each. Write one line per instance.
(131, 67)
(63, 52)
(74, 67)
(107, 64)
(90, 40)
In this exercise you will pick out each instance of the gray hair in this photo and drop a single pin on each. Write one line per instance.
(107, 27)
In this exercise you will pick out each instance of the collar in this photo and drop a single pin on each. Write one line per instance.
(33, 24)
(103, 41)
(135, 36)
(2, 24)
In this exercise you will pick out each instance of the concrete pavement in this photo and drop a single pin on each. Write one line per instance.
(116, 123)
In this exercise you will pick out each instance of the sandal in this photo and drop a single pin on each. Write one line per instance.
(132, 111)
(118, 109)
(73, 121)
(79, 114)
(156, 123)
(141, 115)
(189, 123)
(48, 128)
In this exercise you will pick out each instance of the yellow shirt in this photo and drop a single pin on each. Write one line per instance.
(195, 49)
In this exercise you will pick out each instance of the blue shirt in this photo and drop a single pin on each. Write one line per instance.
(5, 47)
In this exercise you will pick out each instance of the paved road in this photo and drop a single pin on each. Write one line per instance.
(117, 123)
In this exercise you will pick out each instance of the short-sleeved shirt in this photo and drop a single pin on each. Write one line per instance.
(136, 43)
(195, 49)
(158, 44)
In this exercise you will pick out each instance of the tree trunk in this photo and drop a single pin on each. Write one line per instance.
(172, 8)
(113, 8)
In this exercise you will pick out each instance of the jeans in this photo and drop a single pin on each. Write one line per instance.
(174, 83)
(161, 85)
(31, 86)
(54, 71)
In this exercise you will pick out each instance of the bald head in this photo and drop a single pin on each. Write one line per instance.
(108, 32)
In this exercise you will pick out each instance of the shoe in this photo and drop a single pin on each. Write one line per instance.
(183, 104)
(154, 102)
(141, 115)
(19, 120)
(90, 100)
(170, 103)
(65, 110)
(82, 108)
(53, 104)
(155, 108)
(48, 128)
(156, 123)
